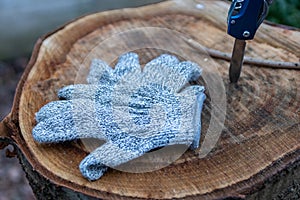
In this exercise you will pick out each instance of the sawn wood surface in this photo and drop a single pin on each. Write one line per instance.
(254, 151)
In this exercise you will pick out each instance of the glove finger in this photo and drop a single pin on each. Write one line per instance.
(127, 63)
(91, 169)
(184, 72)
(63, 107)
(167, 70)
(190, 70)
(79, 91)
(67, 120)
(51, 109)
(160, 66)
(158, 70)
(94, 165)
(192, 91)
(98, 70)
(56, 129)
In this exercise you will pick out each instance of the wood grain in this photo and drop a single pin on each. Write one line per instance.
(261, 134)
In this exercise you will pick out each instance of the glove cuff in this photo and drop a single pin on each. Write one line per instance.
(197, 121)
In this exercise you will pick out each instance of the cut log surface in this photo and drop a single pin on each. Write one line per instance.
(254, 150)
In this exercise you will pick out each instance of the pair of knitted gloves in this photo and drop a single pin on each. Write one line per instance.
(133, 110)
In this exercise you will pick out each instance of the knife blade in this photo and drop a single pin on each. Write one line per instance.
(236, 62)
(244, 18)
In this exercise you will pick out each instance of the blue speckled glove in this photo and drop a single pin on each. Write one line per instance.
(133, 110)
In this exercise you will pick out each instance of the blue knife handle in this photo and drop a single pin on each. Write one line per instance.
(245, 16)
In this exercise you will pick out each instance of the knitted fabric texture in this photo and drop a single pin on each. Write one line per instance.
(133, 110)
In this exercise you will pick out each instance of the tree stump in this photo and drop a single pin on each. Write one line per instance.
(254, 152)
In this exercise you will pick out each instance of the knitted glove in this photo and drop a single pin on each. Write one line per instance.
(134, 111)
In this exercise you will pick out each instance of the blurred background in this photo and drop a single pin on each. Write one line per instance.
(22, 22)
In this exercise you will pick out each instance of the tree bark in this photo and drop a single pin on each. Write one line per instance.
(256, 153)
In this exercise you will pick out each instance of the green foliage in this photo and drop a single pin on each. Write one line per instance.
(285, 12)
